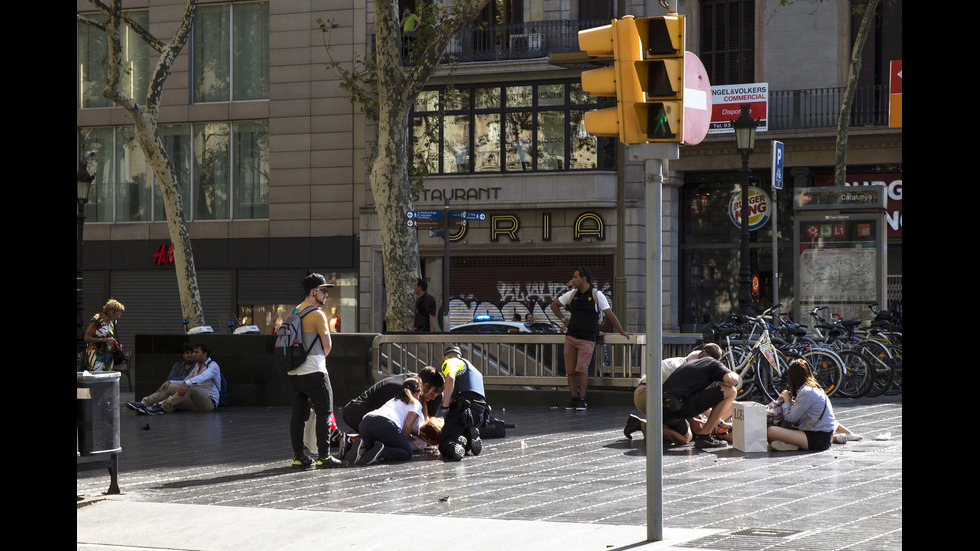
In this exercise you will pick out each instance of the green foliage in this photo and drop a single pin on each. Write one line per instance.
(357, 77)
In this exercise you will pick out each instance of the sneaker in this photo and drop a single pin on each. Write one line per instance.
(581, 406)
(350, 449)
(138, 407)
(302, 462)
(572, 404)
(155, 409)
(781, 446)
(840, 439)
(853, 437)
(367, 457)
(708, 441)
(328, 462)
(456, 452)
(476, 444)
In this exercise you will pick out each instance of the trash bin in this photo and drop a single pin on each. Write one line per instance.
(98, 412)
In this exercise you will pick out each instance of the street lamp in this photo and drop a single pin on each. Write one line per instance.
(745, 127)
(84, 181)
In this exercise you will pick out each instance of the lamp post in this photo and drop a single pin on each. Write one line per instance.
(745, 127)
(84, 181)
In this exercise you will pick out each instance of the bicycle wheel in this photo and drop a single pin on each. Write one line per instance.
(857, 375)
(827, 368)
(880, 361)
(772, 380)
(896, 386)
(732, 359)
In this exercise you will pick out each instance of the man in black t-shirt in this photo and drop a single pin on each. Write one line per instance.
(695, 387)
(425, 307)
(584, 305)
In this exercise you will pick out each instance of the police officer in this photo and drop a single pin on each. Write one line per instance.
(464, 406)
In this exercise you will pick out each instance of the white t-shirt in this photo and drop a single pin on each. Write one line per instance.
(602, 304)
(397, 411)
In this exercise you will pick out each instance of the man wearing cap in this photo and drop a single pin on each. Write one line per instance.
(464, 406)
(310, 381)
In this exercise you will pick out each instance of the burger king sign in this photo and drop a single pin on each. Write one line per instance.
(760, 208)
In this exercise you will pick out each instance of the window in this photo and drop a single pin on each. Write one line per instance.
(340, 307)
(509, 128)
(92, 51)
(222, 168)
(230, 52)
(727, 40)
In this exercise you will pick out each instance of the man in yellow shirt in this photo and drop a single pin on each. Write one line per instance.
(310, 380)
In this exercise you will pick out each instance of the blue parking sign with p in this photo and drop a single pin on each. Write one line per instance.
(777, 165)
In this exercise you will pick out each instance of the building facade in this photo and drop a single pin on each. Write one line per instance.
(273, 158)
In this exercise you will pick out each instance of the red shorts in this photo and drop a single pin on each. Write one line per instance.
(578, 354)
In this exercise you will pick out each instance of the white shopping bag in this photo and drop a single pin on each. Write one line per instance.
(309, 433)
(749, 427)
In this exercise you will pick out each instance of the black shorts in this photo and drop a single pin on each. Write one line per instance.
(697, 404)
(818, 441)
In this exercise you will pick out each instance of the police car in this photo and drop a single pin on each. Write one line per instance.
(484, 323)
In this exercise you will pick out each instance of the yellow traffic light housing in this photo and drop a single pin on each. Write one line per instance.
(619, 40)
(660, 74)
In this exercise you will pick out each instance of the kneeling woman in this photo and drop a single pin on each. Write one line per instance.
(806, 406)
(385, 431)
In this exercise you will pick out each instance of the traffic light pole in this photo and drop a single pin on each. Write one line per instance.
(653, 156)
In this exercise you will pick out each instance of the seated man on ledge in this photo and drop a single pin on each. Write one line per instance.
(198, 391)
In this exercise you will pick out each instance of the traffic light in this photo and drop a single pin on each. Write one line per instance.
(619, 40)
(660, 74)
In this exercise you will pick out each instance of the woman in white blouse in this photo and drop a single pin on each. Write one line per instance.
(386, 431)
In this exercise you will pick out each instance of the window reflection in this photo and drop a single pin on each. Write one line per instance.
(508, 128)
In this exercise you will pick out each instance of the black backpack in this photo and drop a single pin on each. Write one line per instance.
(289, 351)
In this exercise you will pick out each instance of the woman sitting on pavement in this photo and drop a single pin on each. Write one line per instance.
(805, 406)
(385, 432)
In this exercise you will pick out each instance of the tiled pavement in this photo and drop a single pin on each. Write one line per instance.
(573, 474)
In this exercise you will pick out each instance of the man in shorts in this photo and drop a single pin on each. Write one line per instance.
(695, 387)
(584, 303)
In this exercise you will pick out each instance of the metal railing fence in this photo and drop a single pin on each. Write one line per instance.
(522, 359)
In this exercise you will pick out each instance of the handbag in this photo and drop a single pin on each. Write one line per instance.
(774, 413)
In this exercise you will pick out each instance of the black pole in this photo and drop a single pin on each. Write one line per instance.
(744, 271)
(83, 179)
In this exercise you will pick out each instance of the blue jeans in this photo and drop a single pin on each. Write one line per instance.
(375, 428)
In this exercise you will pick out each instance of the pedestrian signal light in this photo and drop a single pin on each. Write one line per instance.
(660, 74)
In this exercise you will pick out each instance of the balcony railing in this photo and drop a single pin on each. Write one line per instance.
(788, 109)
(820, 107)
(513, 40)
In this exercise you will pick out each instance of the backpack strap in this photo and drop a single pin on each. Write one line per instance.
(302, 314)
(595, 298)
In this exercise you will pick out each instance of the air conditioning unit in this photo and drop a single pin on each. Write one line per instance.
(530, 41)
